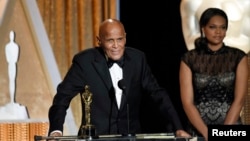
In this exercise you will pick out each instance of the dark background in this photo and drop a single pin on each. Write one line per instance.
(154, 26)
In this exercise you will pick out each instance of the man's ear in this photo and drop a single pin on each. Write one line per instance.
(98, 40)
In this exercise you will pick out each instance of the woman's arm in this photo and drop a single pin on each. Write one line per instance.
(187, 97)
(239, 93)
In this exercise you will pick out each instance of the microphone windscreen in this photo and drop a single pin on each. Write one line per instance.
(121, 84)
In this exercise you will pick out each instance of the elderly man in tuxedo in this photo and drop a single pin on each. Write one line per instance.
(102, 68)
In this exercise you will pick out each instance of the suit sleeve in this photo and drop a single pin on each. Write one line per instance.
(160, 97)
(66, 90)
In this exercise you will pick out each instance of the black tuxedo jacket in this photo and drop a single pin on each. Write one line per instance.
(89, 67)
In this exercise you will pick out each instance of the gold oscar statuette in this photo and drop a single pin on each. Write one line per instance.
(87, 130)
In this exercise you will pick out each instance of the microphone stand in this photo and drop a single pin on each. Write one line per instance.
(128, 119)
(122, 86)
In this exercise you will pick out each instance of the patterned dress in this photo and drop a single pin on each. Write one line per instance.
(213, 75)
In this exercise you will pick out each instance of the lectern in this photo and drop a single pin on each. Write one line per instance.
(138, 137)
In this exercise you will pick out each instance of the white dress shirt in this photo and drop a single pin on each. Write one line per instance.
(116, 75)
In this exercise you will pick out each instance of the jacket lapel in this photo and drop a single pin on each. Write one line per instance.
(102, 69)
(127, 74)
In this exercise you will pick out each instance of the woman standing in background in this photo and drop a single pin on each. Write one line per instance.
(213, 76)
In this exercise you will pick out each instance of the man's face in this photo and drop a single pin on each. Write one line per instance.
(113, 42)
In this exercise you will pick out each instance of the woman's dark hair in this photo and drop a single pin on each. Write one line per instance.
(204, 19)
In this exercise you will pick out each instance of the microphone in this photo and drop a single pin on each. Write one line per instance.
(121, 85)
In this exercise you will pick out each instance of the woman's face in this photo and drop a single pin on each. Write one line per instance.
(215, 31)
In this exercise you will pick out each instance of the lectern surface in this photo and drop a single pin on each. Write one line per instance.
(138, 137)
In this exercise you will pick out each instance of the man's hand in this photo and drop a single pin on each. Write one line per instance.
(182, 133)
(55, 134)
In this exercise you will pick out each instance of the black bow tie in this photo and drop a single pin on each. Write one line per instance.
(120, 62)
